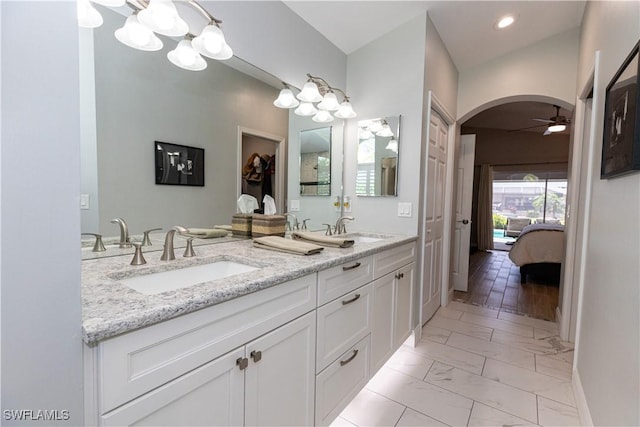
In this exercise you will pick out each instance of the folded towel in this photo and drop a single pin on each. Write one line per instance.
(277, 243)
(227, 227)
(207, 233)
(332, 242)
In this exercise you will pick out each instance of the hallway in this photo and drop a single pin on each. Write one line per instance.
(474, 366)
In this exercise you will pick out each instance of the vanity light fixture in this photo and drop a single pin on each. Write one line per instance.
(385, 131)
(161, 17)
(316, 90)
(392, 145)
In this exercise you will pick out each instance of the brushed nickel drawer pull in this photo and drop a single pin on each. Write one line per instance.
(242, 363)
(353, 356)
(256, 355)
(354, 299)
(356, 265)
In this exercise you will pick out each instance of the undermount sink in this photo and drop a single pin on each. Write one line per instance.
(364, 237)
(156, 283)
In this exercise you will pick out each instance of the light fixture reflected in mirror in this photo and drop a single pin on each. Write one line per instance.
(317, 90)
(161, 17)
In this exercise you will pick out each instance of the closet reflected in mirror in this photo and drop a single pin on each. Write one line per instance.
(378, 147)
(315, 162)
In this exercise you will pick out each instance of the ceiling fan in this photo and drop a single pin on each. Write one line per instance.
(554, 124)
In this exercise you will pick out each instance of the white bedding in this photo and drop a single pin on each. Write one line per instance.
(538, 243)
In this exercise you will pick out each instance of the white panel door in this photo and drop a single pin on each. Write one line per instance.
(434, 216)
(280, 378)
(464, 194)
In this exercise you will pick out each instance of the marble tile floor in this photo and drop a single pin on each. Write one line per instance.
(474, 366)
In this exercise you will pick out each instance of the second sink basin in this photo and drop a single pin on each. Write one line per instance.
(156, 283)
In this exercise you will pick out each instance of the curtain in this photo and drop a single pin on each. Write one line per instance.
(485, 216)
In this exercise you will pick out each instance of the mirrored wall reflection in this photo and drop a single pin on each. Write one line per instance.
(378, 148)
(315, 162)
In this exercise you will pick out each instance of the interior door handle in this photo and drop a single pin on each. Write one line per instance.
(464, 221)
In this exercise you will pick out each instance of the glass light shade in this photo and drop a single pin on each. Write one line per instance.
(185, 56)
(110, 3)
(345, 111)
(556, 128)
(322, 116)
(162, 17)
(309, 93)
(137, 36)
(385, 131)
(286, 99)
(211, 43)
(88, 16)
(329, 102)
(392, 145)
(365, 134)
(375, 127)
(306, 109)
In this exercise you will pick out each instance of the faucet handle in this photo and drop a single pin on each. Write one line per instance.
(145, 239)
(304, 223)
(98, 246)
(328, 232)
(188, 251)
(138, 258)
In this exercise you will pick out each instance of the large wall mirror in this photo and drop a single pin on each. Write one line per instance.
(378, 148)
(131, 99)
(315, 162)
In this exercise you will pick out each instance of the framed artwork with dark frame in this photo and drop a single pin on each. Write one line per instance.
(179, 164)
(621, 136)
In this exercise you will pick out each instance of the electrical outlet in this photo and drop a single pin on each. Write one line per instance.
(294, 205)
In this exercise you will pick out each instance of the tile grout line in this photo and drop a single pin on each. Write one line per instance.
(473, 404)
(401, 415)
(414, 409)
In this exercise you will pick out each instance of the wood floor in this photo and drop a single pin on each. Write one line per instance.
(494, 282)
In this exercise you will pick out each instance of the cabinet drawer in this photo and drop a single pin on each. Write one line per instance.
(341, 324)
(337, 281)
(139, 361)
(391, 260)
(337, 385)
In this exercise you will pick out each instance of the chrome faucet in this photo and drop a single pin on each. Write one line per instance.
(168, 254)
(340, 227)
(296, 224)
(124, 232)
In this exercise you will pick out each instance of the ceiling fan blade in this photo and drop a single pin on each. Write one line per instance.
(543, 120)
(530, 127)
(547, 132)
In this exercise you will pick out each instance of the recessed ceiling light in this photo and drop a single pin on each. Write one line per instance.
(505, 21)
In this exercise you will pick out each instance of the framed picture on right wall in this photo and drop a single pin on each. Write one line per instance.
(621, 136)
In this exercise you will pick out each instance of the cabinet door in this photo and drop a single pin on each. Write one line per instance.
(382, 328)
(211, 395)
(405, 278)
(280, 378)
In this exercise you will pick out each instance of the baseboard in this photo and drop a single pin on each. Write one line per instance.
(581, 400)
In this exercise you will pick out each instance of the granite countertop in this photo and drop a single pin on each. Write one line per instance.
(110, 308)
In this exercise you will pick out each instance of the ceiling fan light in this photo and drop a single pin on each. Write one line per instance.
(505, 21)
(137, 36)
(309, 93)
(88, 16)
(286, 99)
(306, 109)
(162, 17)
(556, 128)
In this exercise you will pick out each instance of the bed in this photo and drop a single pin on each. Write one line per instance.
(539, 251)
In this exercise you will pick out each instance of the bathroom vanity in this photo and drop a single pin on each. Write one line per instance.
(290, 342)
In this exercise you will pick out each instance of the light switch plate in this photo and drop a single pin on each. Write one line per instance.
(404, 209)
(84, 201)
(294, 206)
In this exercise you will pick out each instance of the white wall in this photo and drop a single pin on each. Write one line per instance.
(386, 78)
(41, 317)
(546, 68)
(441, 74)
(608, 340)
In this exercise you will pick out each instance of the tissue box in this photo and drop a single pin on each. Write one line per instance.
(241, 224)
(268, 225)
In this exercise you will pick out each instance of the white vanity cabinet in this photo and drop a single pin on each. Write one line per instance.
(155, 374)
